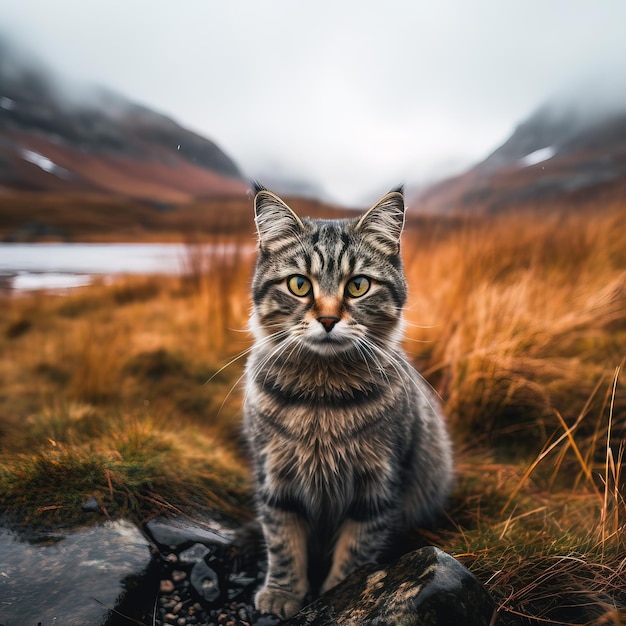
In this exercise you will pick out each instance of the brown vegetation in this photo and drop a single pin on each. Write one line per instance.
(92, 217)
(120, 392)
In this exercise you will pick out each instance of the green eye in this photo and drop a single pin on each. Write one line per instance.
(358, 286)
(299, 285)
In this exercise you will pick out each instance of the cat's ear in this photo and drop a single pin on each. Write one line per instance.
(275, 221)
(382, 225)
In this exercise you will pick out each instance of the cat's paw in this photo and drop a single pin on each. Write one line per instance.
(280, 602)
(330, 582)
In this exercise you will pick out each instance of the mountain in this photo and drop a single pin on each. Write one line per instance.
(571, 150)
(68, 138)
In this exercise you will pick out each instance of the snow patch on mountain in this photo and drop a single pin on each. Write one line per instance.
(537, 156)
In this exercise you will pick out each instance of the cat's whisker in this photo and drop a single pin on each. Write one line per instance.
(282, 346)
(297, 344)
(402, 361)
(402, 377)
(379, 366)
(244, 353)
(420, 326)
(234, 386)
(399, 364)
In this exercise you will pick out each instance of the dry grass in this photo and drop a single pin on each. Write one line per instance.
(519, 322)
(522, 316)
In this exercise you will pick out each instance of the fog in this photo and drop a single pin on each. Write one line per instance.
(347, 99)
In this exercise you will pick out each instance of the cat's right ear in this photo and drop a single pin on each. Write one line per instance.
(383, 223)
(275, 221)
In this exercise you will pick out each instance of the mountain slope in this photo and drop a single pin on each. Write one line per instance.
(565, 152)
(70, 138)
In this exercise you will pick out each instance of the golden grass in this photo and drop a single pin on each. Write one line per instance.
(523, 316)
(118, 391)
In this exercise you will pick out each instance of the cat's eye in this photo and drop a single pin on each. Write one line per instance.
(299, 285)
(357, 286)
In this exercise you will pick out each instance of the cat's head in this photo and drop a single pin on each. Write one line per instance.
(328, 286)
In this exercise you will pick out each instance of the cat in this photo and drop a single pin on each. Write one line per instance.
(348, 443)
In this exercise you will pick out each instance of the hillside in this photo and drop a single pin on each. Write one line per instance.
(81, 163)
(70, 145)
(571, 153)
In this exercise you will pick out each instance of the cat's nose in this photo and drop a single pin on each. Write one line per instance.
(328, 322)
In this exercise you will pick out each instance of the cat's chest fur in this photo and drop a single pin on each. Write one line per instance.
(318, 430)
(320, 403)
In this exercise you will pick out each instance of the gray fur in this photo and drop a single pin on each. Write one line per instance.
(348, 441)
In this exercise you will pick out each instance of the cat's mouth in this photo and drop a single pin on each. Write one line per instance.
(330, 343)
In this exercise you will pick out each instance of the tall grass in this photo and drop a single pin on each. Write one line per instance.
(519, 322)
(521, 325)
(522, 316)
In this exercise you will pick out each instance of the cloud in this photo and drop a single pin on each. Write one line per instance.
(350, 95)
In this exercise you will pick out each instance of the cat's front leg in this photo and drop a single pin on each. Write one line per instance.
(286, 581)
(359, 542)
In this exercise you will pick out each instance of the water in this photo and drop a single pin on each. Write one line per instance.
(58, 266)
(75, 578)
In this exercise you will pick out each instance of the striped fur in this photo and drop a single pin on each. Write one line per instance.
(348, 441)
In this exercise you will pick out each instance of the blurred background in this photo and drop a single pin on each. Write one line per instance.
(129, 134)
(167, 105)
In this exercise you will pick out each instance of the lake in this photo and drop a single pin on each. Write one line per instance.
(58, 266)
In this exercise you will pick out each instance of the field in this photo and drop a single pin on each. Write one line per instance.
(130, 392)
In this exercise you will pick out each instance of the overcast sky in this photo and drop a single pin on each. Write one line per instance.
(353, 96)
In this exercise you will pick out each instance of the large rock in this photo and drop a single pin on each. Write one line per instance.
(424, 588)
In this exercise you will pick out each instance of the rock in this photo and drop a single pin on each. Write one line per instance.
(176, 532)
(192, 555)
(267, 620)
(178, 576)
(426, 587)
(205, 581)
(90, 505)
(166, 586)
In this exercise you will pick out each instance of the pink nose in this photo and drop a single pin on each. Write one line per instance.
(328, 322)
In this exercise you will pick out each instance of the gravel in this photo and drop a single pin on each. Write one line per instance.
(207, 585)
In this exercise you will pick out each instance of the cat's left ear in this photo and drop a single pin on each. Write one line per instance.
(384, 222)
(275, 221)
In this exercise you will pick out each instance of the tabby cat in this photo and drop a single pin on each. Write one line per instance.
(348, 442)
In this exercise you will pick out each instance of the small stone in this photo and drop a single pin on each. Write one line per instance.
(173, 533)
(90, 505)
(241, 580)
(233, 593)
(170, 619)
(166, 586)
(205, 581)
(192, 555)
(171, 558)
(242, 614)
(177, 607)
(178, 576)
(181, 621)
(267, 620)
